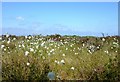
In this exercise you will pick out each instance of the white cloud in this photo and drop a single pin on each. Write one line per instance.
(20, 18)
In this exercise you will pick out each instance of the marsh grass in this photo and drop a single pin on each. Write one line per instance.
(102, 64)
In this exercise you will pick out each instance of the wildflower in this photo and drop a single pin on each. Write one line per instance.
(26, 53)
(72, 68)
(28, 63)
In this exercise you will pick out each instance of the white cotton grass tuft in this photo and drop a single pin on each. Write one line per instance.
(52, 50)
(55, 61)
(2, 46)
(25, 37)
(19, 45)
(58, 62)
(43, 57)
(63, 54)
(23, 45)
(62, 61)
(14, 38)
(106, 51)
(31, 49)
(49, 54)
(76, 53)
(66, 48)
(72, 68)
(90, 51)
(4, 49)
(103, 39)
(115, 43)
(8, 41)
(28, 63)
(37, 46)
(83, 45)
(26, 53)
(42, 44)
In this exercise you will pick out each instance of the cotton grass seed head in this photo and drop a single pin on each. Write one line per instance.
(72, 68)
(2, 46)
(26, 53)
(63, 54)
(62, 61)
(28, 63)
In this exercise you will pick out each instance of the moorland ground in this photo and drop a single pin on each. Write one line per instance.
(67, 57)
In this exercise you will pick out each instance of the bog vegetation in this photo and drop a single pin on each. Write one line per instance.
(67, 57)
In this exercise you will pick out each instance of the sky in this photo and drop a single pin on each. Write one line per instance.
(65, 18)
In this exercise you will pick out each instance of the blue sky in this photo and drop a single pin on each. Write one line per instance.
(68, 18)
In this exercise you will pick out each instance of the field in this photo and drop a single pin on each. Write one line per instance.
(56, 57)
